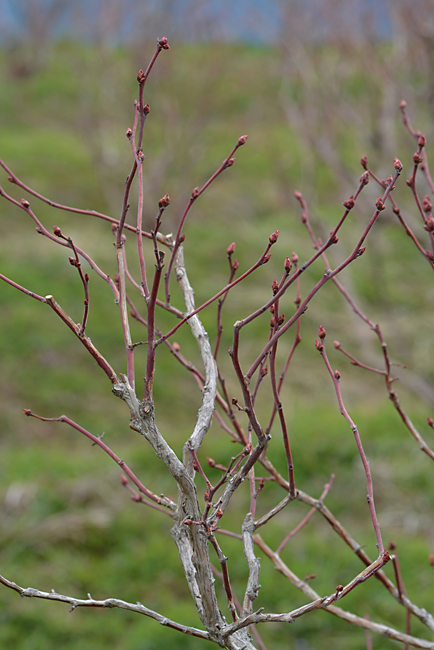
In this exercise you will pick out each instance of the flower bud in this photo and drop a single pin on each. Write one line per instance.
(176, 346)
(298, 195)
(319, 346)
(273, 237)
(275, 287)
(164, 202)
(195, 193)
(287, 265)
(422, 141)
(379, 204)
(210, 462)
(242, 140)
(417, 158)
(429, 225)
(321, 332)
(337, 374)
(129, 133)
(426, 204)
(364, 161)
(231, 249)
(162, 42)
(430, 422)
(364, 178)
(146, 109)
(350, 203)
(294, 258)
(25, 203)
(57, 231)
(397, 164)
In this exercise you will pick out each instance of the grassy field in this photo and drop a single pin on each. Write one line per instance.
(67, 523)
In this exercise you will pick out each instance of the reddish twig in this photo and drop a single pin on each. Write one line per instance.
(320, 345)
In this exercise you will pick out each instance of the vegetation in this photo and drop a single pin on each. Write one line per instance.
(72, 526)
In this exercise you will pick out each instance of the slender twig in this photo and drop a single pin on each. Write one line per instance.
(228, 162)
(30, 592)
(320, 345)
(306, 519)
(97, 441)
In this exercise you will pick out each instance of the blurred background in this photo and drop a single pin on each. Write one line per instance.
(316, 85)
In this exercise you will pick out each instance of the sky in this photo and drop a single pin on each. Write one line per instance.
(245, 20)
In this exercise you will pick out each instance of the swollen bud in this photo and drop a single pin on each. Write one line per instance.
(273, 237)
(275, 287)
(364, 178)
(242, 140)
(294, 258)
(25, 203)
(350, 203)
(364, 161)
(426, 204)
(195, 193)
(164, 202)
(321, 332)
(319, 346)
(298, 195)
(422, 140)
(397, 164)
(57, 231)
(176, 346)
(146, 109)
(162, 42)
(129, 133)
(231, 249)
(417, 158)
(287, 265)
(379, 204)
(337, 375)
(430, 422)
(429, 225)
